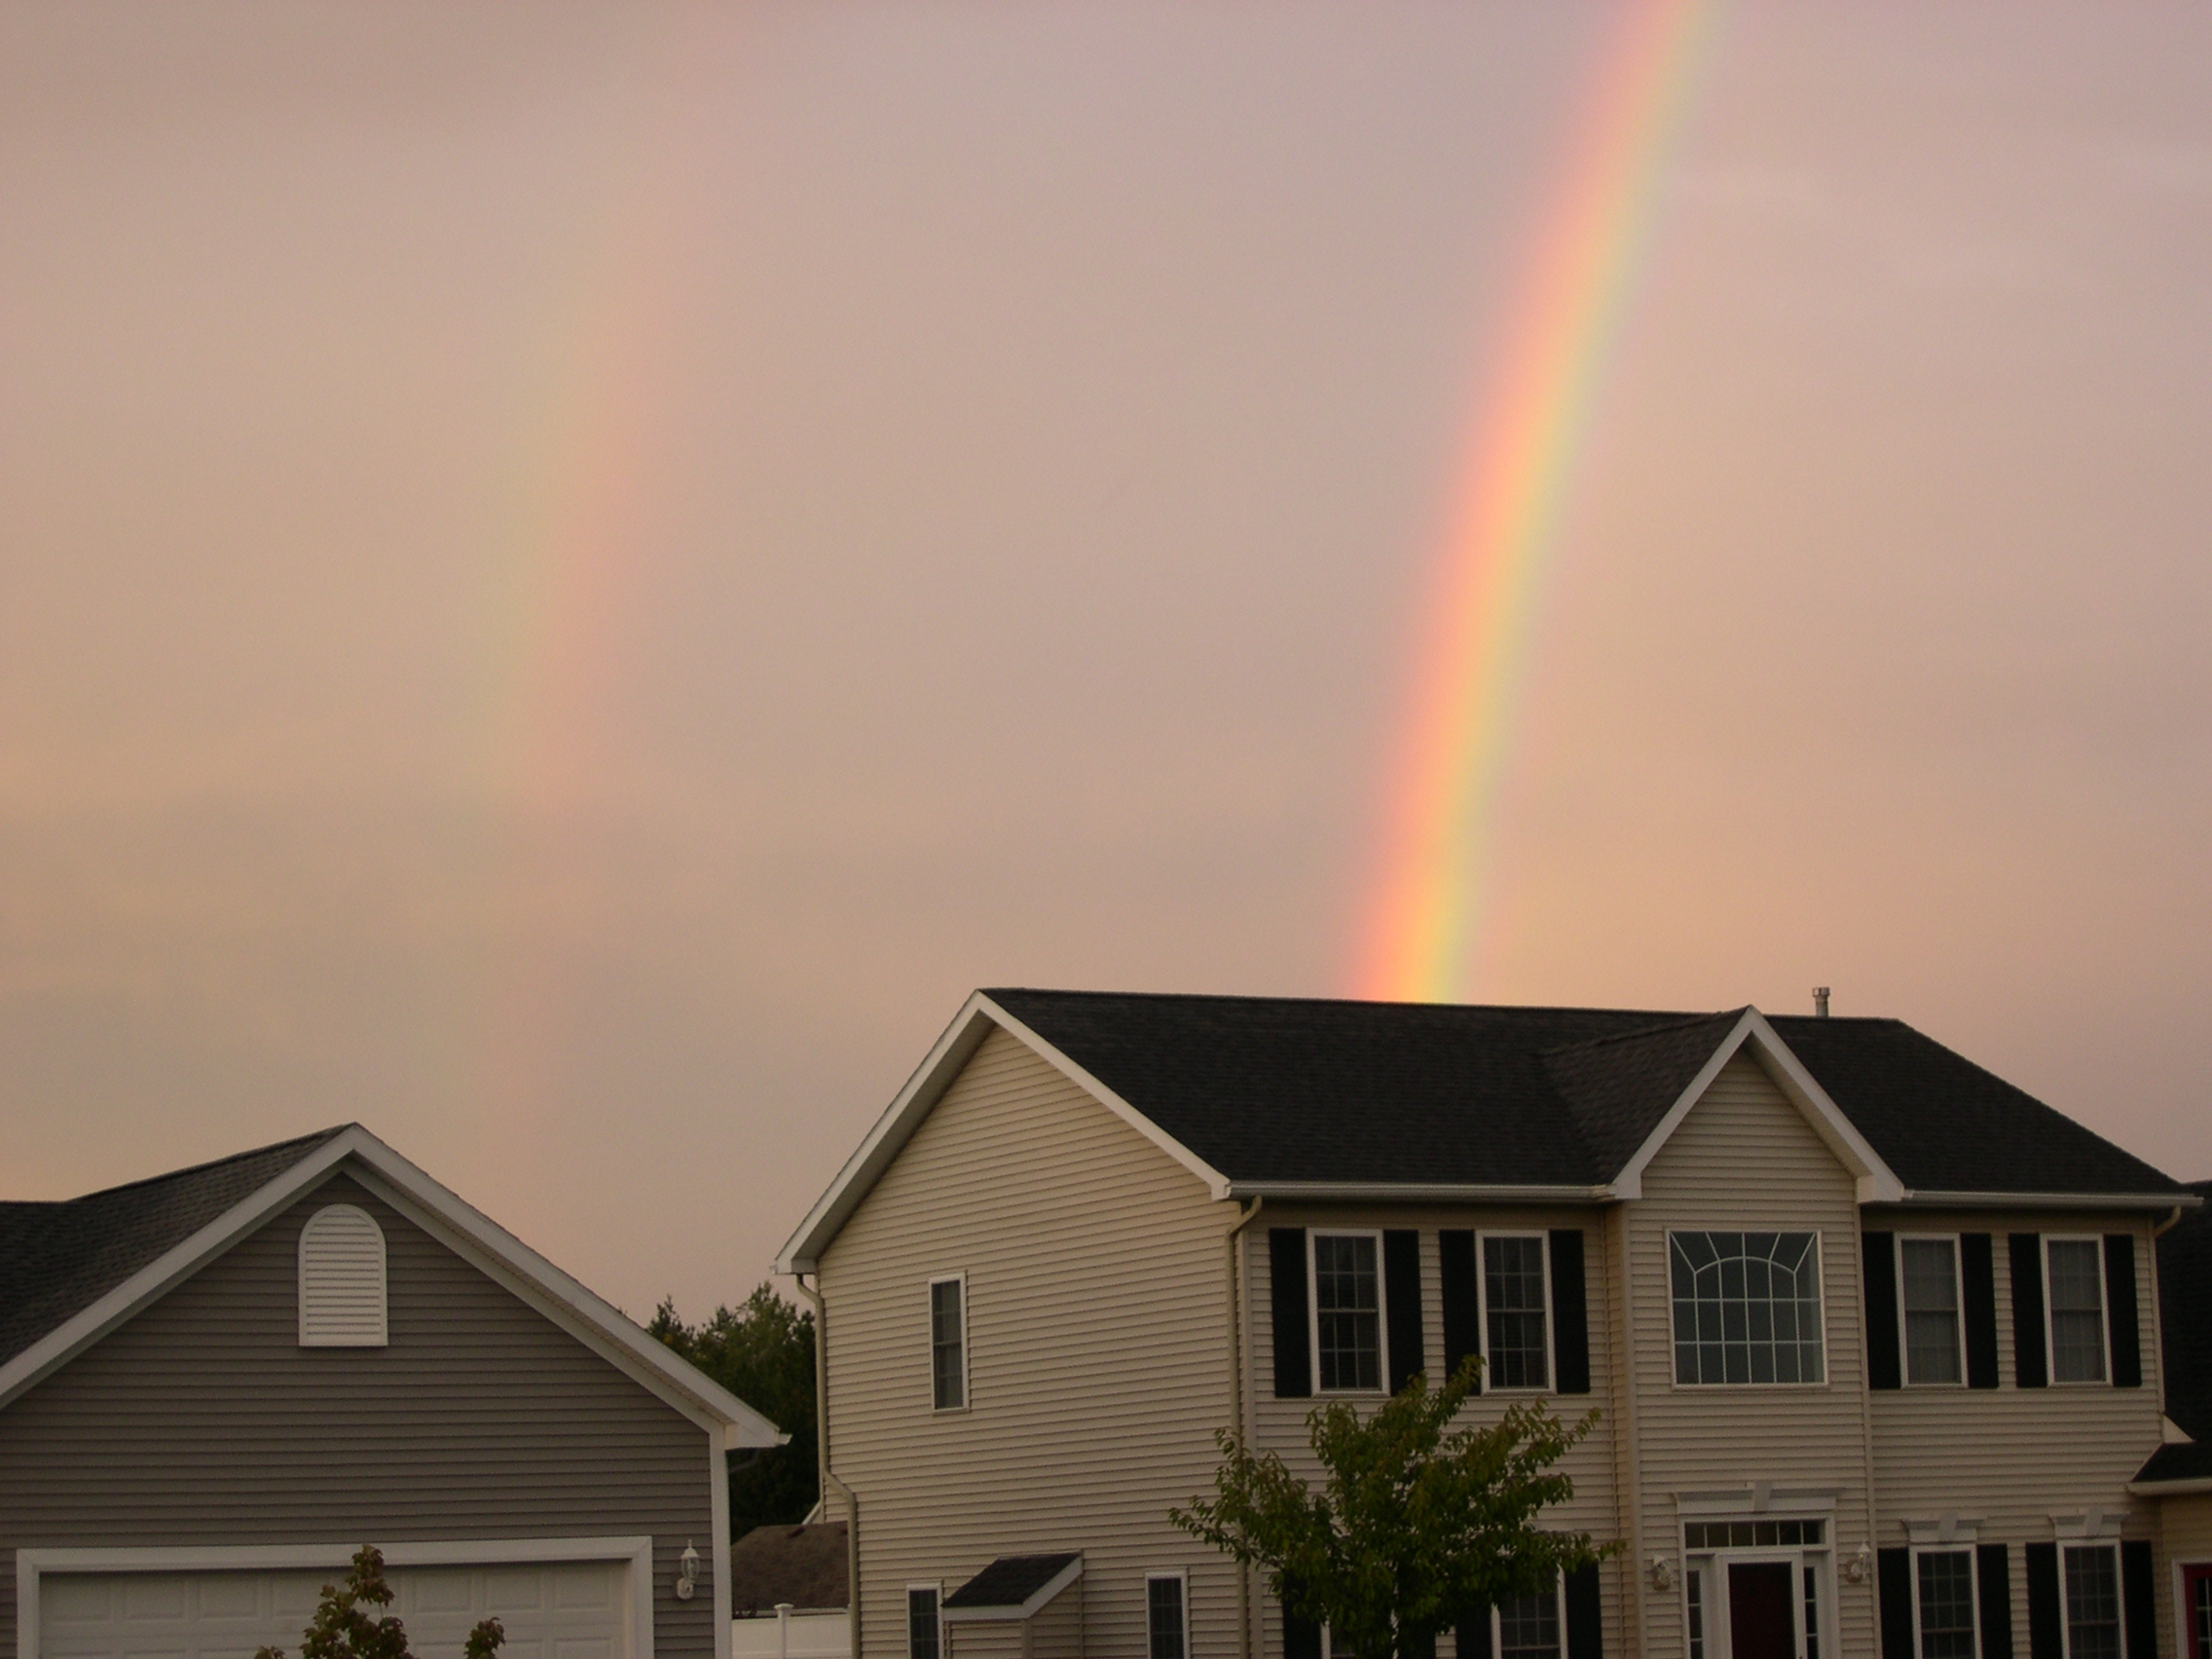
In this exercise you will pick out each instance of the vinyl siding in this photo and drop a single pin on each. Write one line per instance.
(202, 1420)
(2185, 1534)
(1098, 1354)
(1745, 1157)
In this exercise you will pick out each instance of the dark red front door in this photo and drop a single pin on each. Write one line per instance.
(1760, 1621)
(2197, 1596)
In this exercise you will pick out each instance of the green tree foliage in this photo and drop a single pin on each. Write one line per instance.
(344, 1630)
(1416, 1526)
(762, 1351)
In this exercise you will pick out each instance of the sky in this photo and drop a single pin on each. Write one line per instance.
(572, 578)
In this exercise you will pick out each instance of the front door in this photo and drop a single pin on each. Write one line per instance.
(1761, 1618)
(2197, 1597)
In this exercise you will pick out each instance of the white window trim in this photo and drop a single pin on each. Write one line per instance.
(1957, 1546)
(966, 1348)
(2110, 1546)
(2104, 1312)
(1820, 1280)
(1182, 1576)
(906, 1613)
(1382, 1318)
(1497, 1622)
(1482, 1311)
(1958, 1312)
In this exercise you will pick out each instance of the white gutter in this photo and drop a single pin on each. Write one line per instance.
(1415, 1192)
(1928, 1200)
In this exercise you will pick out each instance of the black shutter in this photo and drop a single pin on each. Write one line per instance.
(1993, 1580)
(1894, 1574)
(1977, 1273)
(2139, 1598)
(1294, 1357)
(2029, 1367)
(1585, 1616)
(1570, 1324)
(1301, 1637)
(2046, 1626)
(2120, 1313)
(1878, 1259)
(1462, 1315)
(1474, 1636)
(1401, 1303)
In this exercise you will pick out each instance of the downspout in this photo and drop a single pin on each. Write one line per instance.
(822, 1460)
(1237, 1406)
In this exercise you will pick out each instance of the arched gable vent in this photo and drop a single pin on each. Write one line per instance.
(342, 1279)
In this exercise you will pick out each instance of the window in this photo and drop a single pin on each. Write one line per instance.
(341, 1280)
(2196, 1585)
(1754, 1534)
(1348, 1310)
(922, 1624)
(1165, 1615)
(1693, 1588)
(1812, 1614)
(1945, 1602)
(948, 1343)
(1747, 1307)
(1514, 1333)
(2092, 1582)
(1528, 1627)
(1927, 1274)
(2075, 1269)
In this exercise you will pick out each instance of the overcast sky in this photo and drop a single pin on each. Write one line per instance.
(571, 578)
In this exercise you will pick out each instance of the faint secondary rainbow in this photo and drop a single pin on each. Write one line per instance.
(1429, 900)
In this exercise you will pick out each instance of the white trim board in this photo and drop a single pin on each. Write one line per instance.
(637, 1552)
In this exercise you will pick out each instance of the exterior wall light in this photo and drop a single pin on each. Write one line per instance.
(1662, 1575)
(687, 1571)
(1857, 1568)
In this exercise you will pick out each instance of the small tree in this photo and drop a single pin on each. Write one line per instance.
(762, 1351)
(1418, 1525)
(343, 1631)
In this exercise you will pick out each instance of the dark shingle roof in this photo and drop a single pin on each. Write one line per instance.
(1009, 1582)
(1284, 1089)
(2178, 1464)
(804, 1566)
(2185, 1317)
(58, 1259)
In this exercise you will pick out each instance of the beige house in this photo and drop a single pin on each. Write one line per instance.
(1871, 1332)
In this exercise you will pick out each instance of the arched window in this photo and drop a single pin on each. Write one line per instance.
(342, 1279)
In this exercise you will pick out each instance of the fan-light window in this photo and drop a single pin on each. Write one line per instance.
(342, 1279)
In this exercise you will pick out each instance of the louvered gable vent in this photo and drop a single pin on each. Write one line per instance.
(342, 1279)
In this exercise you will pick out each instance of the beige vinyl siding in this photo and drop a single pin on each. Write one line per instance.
(1745, 1157)
(1279, 1426)
(2184, 1535)
(1098, 1354)
(2012, 1457)
(202, 1420)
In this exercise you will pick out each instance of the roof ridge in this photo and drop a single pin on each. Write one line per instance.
(1667, 1014)
(303, 1142)
(1641, 1032)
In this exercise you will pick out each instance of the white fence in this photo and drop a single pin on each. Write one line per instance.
(789, 1634)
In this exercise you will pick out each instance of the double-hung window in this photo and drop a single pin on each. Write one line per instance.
(1515, 1330)
(1928, 1294)
(1166, 1616)
(1528, 1627)
(2089, 1580)
(1348, 1312)
(923, 1622)
(1943, 1603)
(948, 1343)
(1747, 1307)
(2075, 1271)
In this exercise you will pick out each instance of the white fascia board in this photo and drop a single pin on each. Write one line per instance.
(1412, 1193)
(1927, 1199)
(932, 1078)
(1035, 1604)
(1877, 1183)
(2170, 1489)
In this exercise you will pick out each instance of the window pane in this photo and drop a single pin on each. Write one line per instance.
(1528, 1628)
(948, 1379)
(1946, 1604)
(2092, 1603)
(1348, 1300)
(1164, 1606)
(1694, 1583)
(1747, 1307)
(1812, 1615)
(1931, 1310)
(921, 1624)
(1513, 1298)
(2077, 1310)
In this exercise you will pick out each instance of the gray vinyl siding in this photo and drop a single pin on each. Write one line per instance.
(1745, 1157)
(1098, 1354)
(201, 1421)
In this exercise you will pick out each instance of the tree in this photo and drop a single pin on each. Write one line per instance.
(1418, 1525)
(342, 1630)
(762, 1351)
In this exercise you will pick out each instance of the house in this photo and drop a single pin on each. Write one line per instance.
(217, 1383)
(2179, 1475)
(1866, 1324)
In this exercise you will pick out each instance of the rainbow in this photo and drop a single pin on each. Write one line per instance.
(1428, 899)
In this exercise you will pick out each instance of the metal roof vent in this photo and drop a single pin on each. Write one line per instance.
(342, 1279)
(1820, 1002)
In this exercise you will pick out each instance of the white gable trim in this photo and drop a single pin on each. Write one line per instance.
(523, 1270)
(976, 1018)
(1877, 1183)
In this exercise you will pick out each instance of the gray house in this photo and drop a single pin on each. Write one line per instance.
(217, 1383)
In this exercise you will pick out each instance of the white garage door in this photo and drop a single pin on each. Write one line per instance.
(557, 1610)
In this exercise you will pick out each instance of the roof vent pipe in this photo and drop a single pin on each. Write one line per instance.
(1820, 1002)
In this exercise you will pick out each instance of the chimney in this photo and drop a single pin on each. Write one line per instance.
(1820, 1002)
